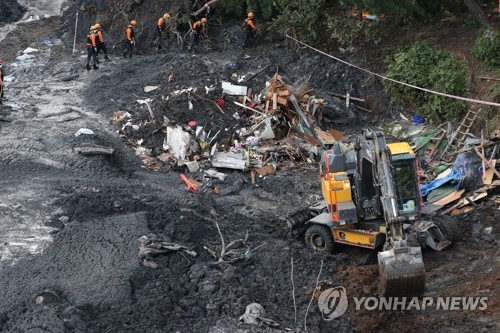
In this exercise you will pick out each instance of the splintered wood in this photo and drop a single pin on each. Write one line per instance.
(278, 94)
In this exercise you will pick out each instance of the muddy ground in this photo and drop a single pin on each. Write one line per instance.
(71, 224)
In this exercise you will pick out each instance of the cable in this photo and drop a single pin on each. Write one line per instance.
(470, 100)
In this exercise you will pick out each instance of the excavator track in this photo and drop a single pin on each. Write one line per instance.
(401, 273)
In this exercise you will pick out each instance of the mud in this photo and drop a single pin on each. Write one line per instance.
(71, 223)
(10, 11)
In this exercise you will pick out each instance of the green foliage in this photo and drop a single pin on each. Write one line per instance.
(404, 7)
(264, 9)
(231, 8)
(487, 48)
(349, 31)
(345, 31)
(303, 17)
(425, 66)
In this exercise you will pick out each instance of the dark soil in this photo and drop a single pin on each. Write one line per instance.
(10, 11)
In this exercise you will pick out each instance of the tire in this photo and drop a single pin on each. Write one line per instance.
(320, 238)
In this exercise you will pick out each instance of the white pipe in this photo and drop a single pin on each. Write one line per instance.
(74, 40)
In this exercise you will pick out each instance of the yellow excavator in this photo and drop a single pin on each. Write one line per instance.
(371, 199)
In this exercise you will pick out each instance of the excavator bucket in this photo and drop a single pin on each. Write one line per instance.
(401, 273)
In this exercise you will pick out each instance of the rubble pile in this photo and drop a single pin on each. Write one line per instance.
(274, 128)
(458, 171)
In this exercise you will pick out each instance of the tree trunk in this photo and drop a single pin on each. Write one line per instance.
(477, 12)
(202, 9)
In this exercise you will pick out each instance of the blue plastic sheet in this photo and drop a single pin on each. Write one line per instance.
(458, 173)
(418, 119)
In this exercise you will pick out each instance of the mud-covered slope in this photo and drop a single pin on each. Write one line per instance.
(10, 11)
(71, 224)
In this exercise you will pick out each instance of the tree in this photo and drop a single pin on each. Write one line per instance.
(476, 11)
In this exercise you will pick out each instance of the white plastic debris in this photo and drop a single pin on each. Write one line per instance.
(190, 105)
(178, 142)
(193, 166)
(144, 101)
(9, 78)
(209, 89)
(150, 88)
(30, 50)
(85, 131)
(231, 89)
(33, 18)
(25, 57)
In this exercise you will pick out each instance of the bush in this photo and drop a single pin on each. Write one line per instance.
(427, 67)
(264, 9)
(487, 48)
(304, 17)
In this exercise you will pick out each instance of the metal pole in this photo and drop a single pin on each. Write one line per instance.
(76, 26)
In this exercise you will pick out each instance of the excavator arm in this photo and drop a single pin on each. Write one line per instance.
(401, 267)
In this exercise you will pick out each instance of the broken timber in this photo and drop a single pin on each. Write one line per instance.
(94, 150)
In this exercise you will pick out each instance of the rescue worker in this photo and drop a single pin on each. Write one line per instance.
(2, 74)
(160, 27)
(100, 43)
(249, 28)
(130, 34)
(199, 27)
(92, 48)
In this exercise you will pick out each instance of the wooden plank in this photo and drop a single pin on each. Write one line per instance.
(266, 170)
(336, 134)
(453, 196)
(94, 150)
(326, 137)
(486, 162)
(474, 198)
(444, 173)
(283, 93)
(488, 177)
(462, 210)
(267, 106)
(275, 101)
(282, 101)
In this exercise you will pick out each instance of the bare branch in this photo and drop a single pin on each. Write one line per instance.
(312, 296)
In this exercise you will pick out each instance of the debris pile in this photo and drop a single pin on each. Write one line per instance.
(459, 172)
(275, 128)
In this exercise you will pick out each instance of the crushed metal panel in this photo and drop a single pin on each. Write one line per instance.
(229, 161)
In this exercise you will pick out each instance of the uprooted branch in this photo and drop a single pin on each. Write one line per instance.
(236, 250)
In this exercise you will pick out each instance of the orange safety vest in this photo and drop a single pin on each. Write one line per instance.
(248, 25)
(198, 27)
(161, 23)
(100, 37)
(91, 40)
(130, 32)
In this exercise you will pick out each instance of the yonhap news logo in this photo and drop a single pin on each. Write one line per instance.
(333, 303)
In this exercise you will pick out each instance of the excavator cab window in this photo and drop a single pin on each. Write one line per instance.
(405, 182)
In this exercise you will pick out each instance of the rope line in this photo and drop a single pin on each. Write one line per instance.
(470, 100)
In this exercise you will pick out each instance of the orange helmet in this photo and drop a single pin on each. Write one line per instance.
(204, 20)
(133, 22)
(250, 15)
(166, 15)
(97, 26)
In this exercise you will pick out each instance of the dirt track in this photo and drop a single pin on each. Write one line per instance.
(87, 213)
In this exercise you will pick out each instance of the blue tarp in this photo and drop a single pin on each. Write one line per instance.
(458, 172)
